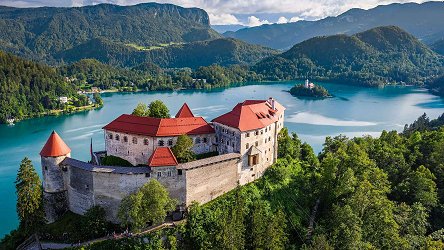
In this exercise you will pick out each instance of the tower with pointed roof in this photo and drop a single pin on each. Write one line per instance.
(52, 154)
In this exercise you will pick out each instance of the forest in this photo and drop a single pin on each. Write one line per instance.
(377, 57)
(357, 193)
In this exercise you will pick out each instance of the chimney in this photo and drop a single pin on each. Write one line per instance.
(271, 102)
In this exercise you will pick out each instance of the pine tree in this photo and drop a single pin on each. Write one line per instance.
(29, 196)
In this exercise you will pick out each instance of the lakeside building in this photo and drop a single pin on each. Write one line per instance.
(244, 141)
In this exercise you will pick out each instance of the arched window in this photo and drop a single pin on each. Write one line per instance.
(161, 143)
(170, 142)
(247, 146)
(110, 136)
(117, 137)
(145, 141)
(135, 140)
(197, 140)
(205, 140)
(125, 138)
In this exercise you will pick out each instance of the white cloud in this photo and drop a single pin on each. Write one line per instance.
(295, 19)
(223, 18)
(254, 21)
(282, 19)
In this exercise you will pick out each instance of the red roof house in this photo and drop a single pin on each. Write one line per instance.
(162, 157)
(252, 114)
(54, 146)
(159, 127)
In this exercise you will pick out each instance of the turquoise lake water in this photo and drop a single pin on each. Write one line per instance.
(355, 111)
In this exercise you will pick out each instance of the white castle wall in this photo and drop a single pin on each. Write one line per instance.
(136, 152)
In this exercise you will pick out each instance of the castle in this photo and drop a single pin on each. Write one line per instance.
(244, 141)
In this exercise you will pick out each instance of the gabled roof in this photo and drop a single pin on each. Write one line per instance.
(54, 146)
(159, 127)
(162, 157)
(184, 111)
(251, 115)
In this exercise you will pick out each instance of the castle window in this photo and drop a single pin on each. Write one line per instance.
(253, 160)
(269, 139)
(247, 146)
(169, 173)
(110, 136)
(228, 143)
(179, 172)
(256, 143)
(247, 135)
(46, 167)
(117, 137)
(205, 140)
(161, 143)
(86, 186)
(256, 132)
(159, 174)
(266, 130)
(147, 175)
(262, 132)
(197, 140)
(145, 141)
(170, 142)
(125, 138)
(135, 140)
(232, 133)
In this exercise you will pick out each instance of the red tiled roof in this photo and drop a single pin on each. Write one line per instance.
(251, 115)
(184, 111)
(159, 127)
(162, 157)
(54, 146)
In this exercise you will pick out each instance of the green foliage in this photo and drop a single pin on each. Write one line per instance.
(380, 56)
(98, 99)
(29, 89)
(182, 150)
(111, 160)
(29, 197)
(222, 51)
(141, 110)
(47, 33)
(317, 91)
(158, 109)
(149, 204)
(94, 222)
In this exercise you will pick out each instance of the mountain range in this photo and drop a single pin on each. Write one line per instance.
(425, 21)
(379, 56)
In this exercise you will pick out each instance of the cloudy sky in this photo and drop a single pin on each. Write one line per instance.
(245, 12)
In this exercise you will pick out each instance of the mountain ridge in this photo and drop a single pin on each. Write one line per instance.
(422, 20)
(379, 56)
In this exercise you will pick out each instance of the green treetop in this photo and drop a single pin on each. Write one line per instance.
(182, 149)
(159, 110)
(141, 110)
(29, 196)
(149, 204)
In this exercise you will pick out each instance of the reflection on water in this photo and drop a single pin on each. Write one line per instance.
(355, 111)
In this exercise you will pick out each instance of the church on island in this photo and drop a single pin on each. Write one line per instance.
(240, 146)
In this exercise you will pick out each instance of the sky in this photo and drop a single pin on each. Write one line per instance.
(242, 12)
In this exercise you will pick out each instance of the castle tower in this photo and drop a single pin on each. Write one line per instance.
(54, 188)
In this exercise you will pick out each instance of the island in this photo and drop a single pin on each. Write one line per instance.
(309, 90)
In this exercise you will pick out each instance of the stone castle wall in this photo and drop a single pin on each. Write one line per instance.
(88, 185)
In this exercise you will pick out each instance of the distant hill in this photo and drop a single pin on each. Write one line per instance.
(425, 21)
(40, 33)
(223, 51)
(438, 47)
(379, 56)
(228, 27)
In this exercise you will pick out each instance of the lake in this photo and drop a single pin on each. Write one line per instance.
(354, 111)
